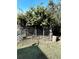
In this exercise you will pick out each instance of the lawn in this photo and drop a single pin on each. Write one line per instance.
(29, 49)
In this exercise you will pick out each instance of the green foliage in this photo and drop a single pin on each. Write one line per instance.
(21, 20)
(41, 16)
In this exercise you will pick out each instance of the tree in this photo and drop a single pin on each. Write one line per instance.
(38, 16)
(41, 16)
(55, 11)
(52, 11)
(21, 20)
(57, 27)
(21, 23)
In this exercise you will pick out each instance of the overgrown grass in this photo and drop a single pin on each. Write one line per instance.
(45, 50)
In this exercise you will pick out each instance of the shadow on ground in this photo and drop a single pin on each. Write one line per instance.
(32, 52)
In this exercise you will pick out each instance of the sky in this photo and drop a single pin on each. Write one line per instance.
(24, 5)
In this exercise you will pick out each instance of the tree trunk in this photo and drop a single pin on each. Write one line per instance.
(35, 31)
(26, 32)
(43, 32)
(50, 34)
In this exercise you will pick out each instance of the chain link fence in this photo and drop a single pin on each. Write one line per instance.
(29, 33)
